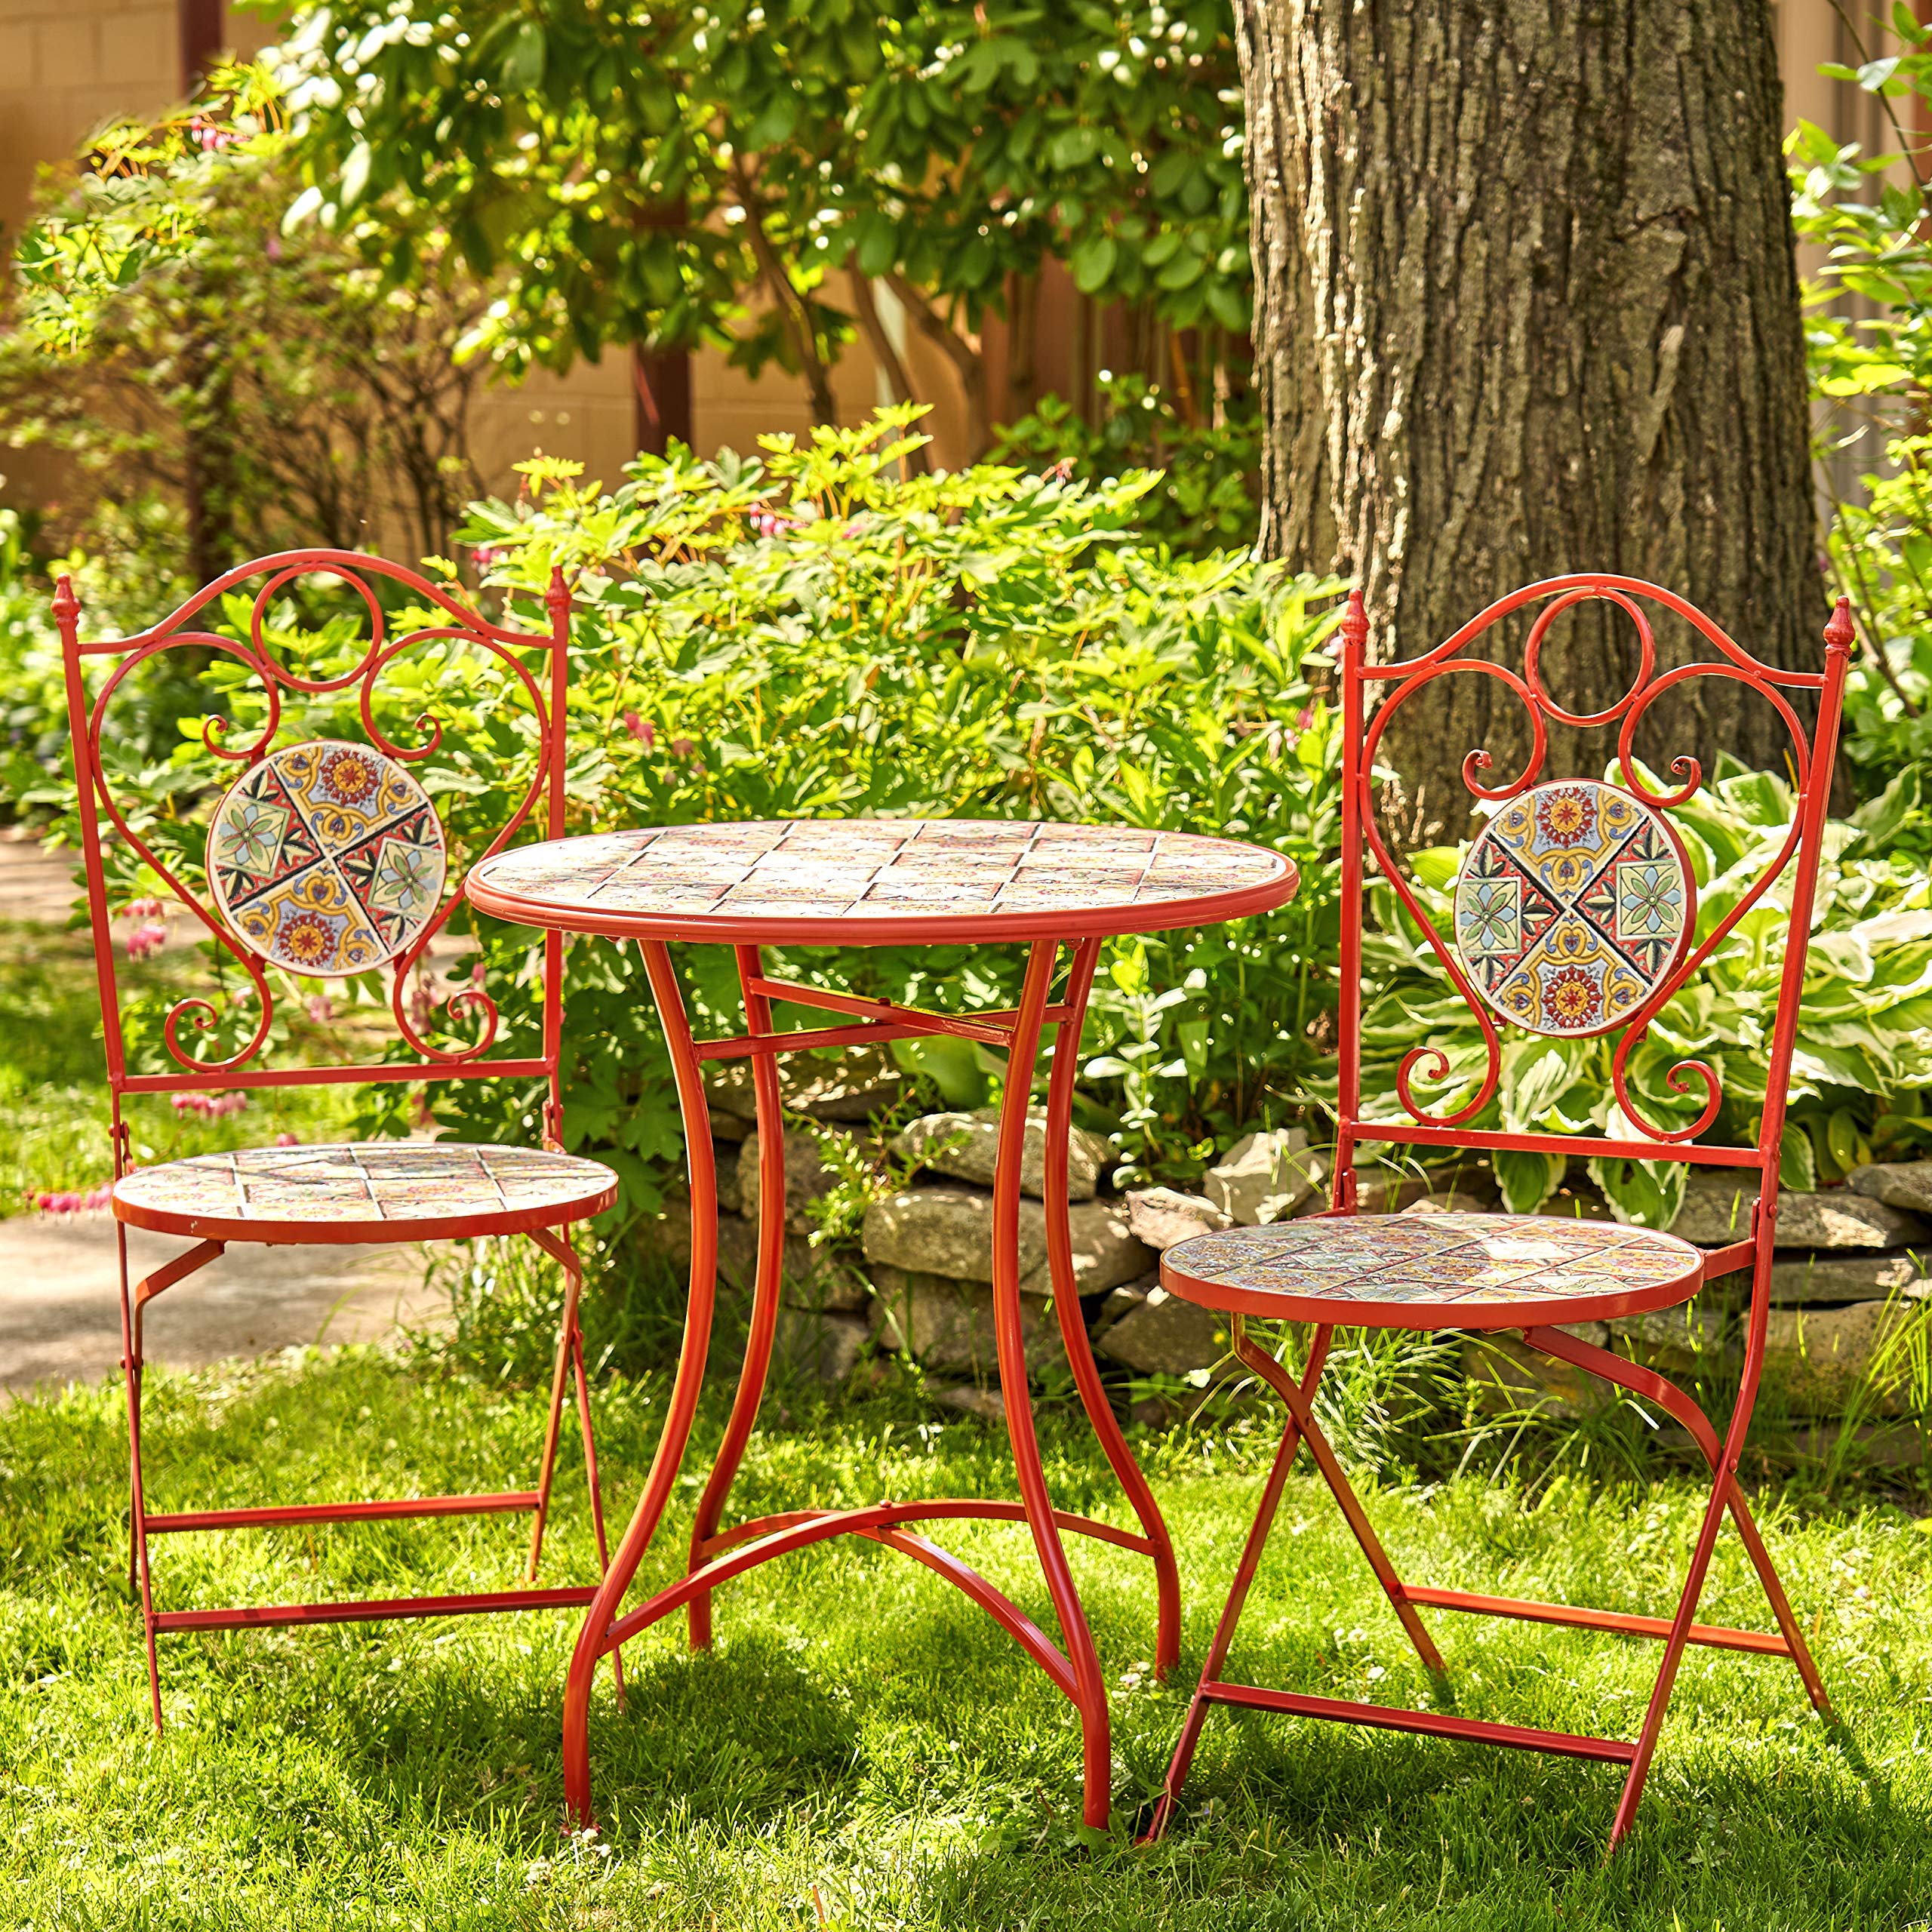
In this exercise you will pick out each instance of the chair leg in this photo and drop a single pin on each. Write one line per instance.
(596, 1492)
(1183, 1760)
(566, 1329)
(1301, 1407)
(137, 1526)
(1612, 1368)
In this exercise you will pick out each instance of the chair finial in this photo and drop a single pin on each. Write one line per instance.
(1355, 623)
(66, 605)
(557, 598)
(1839, 632)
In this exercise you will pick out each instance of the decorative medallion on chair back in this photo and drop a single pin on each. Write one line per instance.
(327, 858)
(1573, 905)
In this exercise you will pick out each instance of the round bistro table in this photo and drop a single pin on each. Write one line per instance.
(880, 882)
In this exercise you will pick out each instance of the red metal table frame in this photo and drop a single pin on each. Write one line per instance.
(874, 882)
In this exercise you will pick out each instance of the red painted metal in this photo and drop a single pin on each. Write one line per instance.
(533, 664)
(509, 1501)
(1718, 1636)
(934, 1509)
(1799, 855)
(1429, 1724)
(718, 1554)
(379, 1609)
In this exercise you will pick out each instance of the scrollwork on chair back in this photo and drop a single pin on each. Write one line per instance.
(1575, 910)
(289, 879)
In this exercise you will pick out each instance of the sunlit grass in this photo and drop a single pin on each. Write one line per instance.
(862, 1747)
(53, 1078)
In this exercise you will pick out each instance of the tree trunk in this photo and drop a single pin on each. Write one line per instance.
(1527, 303)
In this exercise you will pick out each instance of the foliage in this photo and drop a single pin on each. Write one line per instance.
(223, 392)
(810, 633)
(1206, 498)
(702, 173)
(1869, 333)
(1863, 1048)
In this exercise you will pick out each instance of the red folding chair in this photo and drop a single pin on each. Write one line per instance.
(1574, 915)
(326, 857)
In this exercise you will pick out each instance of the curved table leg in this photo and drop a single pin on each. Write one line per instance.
(765, 1295)
(1090, 1693)
(684, 1390)
(1072, 1324)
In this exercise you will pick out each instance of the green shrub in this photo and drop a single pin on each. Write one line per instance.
(1208, 495)
(812, 634)
(1863, 1047)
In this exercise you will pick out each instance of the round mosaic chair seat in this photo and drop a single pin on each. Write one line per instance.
(1434, 1271)
(376, 1191)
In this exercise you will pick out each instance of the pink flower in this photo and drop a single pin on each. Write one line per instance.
(320, 1008)
(69, 1200)
(286, 1139)
(145, 909)
(641, 729)
(478, 973)
(1305, 718)
(1060, 472)
(146, 940)
(211, 1106)
(682, 748)
(488, 556)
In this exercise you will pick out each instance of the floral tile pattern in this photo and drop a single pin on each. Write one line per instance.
(1573, 905)
(1453, 1260)
(875, 868)
(398, 1181)
(327, 858)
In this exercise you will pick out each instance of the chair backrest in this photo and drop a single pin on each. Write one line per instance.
(325, 856)
(1575, 908)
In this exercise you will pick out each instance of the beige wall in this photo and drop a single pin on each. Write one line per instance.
(66, 65)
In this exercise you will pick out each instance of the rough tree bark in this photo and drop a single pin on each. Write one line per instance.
(1527, 303)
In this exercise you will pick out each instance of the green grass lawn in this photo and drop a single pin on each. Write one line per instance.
(862, 1747)
(53, 1079)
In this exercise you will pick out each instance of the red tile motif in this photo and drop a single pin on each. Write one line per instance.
(391, 1181)
(327, 858)
(1454, 1261)
(875, 867)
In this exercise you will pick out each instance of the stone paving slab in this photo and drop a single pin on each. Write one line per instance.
(60, 1305)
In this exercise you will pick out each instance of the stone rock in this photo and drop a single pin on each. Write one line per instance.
(1801, 1278)
(1161, 1334)
(1265, 1177)
(965, 1145)
(806, 1178)
(1122, 1300)
(1906, 1184)
(822, 1346)
(946, 1323)
(730, 1197)
(864, 1083)
(1507, 1377)
(1717, 1210)
(1162, 1216)
(988, 1404)
(1383, 1191)
(1451, 1203)
(813, 1278)
(1821, 1361)
(948, 1231)
(1671, 1340)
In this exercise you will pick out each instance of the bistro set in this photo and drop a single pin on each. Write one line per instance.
(1574, 915)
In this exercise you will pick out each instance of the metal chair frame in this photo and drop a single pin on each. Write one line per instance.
(544, 689)
(1800, 851)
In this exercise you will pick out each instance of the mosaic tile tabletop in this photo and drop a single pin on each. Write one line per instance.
(387, 1181)
(914, 872)
(1572, 907)
(1470, 1265)
(327, 858)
